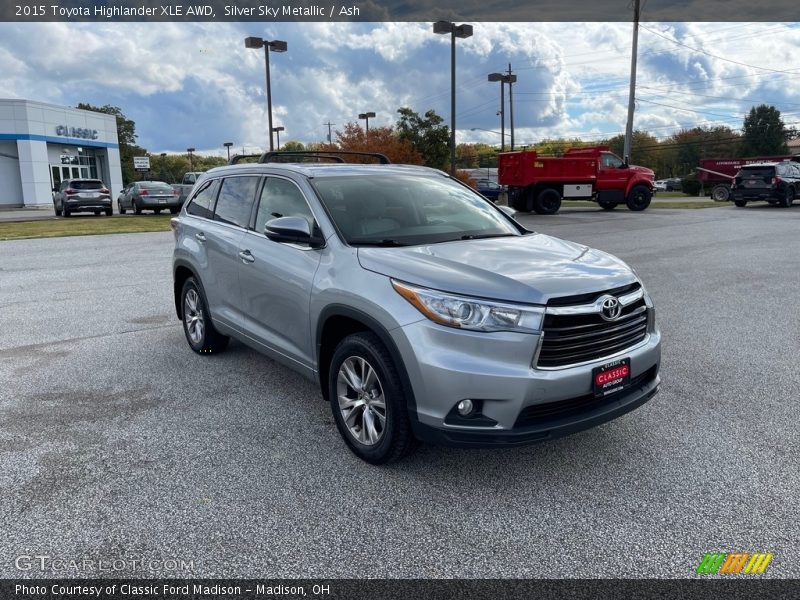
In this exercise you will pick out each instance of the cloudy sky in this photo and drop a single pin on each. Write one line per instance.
(194, 84)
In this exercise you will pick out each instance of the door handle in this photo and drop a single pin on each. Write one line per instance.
(201, 237)
(247, 256)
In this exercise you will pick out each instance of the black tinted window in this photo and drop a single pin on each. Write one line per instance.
(202, 205)
(236, 200)
(749, 172)
(87, 185)
(281, 198)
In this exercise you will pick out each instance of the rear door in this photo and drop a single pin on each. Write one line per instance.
(756, 179)
(276, 278)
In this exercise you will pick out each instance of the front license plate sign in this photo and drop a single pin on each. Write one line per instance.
(611, 377)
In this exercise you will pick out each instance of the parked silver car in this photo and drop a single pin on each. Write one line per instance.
(148, 195)
(422, 310)
(81, 195)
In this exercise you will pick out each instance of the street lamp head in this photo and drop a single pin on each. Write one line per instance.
(228, 144)
(163, 154)
(279, 128)
(190, 149)
(495, 77)
(366, 115)
(443, 27)
(253, 42)
(277, 46)
(511, 79)
(464, 31)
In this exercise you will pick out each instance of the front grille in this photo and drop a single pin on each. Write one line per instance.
(538, 414)
(573, 339)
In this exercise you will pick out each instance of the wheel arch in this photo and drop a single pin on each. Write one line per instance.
(181, 272)
(336, 322)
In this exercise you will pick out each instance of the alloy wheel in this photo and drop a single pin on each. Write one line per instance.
(361, 400)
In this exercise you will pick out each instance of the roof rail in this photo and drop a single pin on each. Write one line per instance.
(333, 155)
(238, 157)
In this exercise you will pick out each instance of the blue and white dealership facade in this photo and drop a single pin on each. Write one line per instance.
(43, 144)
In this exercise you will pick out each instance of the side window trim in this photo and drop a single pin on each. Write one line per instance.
(212, 206)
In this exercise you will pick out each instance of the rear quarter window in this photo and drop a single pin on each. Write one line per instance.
(202, 204)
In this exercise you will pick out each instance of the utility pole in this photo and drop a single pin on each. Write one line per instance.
(511, 79)
(632, 92)
(329, 124)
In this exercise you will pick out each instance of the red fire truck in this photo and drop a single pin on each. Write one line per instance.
(716, 174)
(539, 183)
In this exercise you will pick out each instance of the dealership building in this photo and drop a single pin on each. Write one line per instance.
(43, 144)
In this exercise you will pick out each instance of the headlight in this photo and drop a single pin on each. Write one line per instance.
(471, 313)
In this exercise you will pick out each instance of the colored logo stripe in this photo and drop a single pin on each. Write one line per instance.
(734, 563)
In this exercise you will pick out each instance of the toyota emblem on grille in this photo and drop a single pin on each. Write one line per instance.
(610, 308)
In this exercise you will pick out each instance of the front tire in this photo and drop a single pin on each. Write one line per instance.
(547, 202)
(639, 198)
(740, 203)
(367, 400)
(120, 210)
(203, 338)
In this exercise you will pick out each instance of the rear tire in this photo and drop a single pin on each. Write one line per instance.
(65, 211)
(109, 212)
(639, 198)
(200, 333)
(740, 203)
(721, 193)
(136, 208)
(788, 198)
(367, 400)
(58, 210)
(120, 210)
(547, 202)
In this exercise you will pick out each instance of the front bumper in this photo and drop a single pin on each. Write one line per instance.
(519, 404)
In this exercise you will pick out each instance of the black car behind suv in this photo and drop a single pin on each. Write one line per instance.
(775, 182)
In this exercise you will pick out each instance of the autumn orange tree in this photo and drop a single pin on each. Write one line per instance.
(385, 140)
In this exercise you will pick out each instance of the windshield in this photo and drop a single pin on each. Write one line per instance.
(405, 210)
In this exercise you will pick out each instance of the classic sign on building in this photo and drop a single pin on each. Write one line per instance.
(43, 144)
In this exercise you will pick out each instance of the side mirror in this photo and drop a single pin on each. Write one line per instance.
(295, 230)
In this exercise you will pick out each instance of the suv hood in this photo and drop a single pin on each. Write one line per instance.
(529, 269)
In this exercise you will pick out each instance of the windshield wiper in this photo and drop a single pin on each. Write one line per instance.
(483, 236)
(387, 243)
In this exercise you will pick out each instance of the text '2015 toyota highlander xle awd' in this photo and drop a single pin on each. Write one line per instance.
(421, 309)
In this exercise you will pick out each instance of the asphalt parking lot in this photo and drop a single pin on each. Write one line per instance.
(117, 441)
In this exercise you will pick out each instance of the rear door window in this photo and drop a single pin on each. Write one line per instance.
(235, 201)
(202, 205)
(756, 172)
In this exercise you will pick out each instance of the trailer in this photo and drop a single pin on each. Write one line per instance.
(539, 183)
(716, 174)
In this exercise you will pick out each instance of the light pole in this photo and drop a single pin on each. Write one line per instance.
(228, 148)
(510, 79)
(163, 156)
(366, 116)
(455, 31)
(277, 131)
(274, 46)
(191, 160)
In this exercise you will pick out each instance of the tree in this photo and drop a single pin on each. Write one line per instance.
(385, 140)
(293, 146)
(126, 136)
(427, 135)
(765, 133)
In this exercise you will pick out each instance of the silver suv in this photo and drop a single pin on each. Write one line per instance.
(423, 311)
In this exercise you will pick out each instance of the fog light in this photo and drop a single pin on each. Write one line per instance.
(464, 407)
